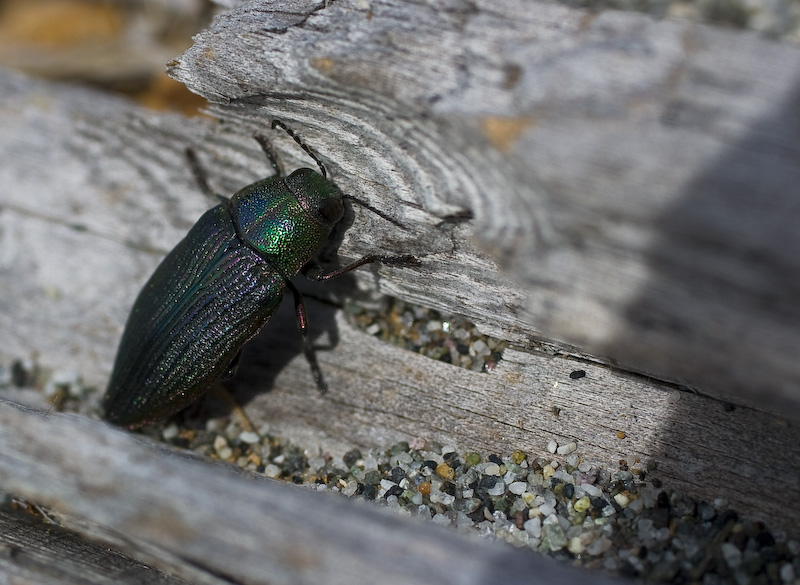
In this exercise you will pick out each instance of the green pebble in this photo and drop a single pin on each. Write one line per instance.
(582, 504)
(471, 459)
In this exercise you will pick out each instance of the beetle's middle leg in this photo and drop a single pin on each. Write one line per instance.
(308, 346)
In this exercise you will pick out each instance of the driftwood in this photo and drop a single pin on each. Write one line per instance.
(226, 527)
(630, 189)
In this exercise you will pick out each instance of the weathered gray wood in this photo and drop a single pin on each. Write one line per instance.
(379, 394)
(244, 529)
(33, 552)
(95, 191)
(636, 179)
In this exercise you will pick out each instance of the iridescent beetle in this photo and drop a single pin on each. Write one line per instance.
(221, 284)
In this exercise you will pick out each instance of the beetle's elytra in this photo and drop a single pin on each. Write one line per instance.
(220, 285)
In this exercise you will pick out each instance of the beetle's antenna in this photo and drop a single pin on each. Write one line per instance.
(282, 126)
(376, 211)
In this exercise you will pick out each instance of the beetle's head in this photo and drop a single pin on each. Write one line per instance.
(319, 197)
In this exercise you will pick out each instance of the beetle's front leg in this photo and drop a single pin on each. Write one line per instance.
(313, 271)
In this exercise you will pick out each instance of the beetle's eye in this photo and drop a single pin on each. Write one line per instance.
(331, 210)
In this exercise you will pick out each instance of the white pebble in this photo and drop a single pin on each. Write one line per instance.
(249, 437)
(441, 519)
(492, 469)
(518, 487)
(497, 490)
(568, 448)
(786, 572)
(598, 546)
(636, 506)
(546, 509)
(272, 471)
(622, 500)
(552, 446)
(533, 527)
(170, 432)
(591, 490)
(731, 554)
(575, 546)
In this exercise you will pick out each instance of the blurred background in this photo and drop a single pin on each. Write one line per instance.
(120, 45)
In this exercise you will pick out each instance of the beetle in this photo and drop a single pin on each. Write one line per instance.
(221, 284)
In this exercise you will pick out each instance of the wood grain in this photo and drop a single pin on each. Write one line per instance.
(635, 179)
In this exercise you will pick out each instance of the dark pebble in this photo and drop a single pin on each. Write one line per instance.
(568, 491)
(462, 349)
(764, 539)
(19, 375)
(351, 457)
(452, 459)
(372, 477)
(395, 490)
(397, 474)
(448, 487)
(495, 459)
(369, 491)
(598, 502)
(430, 464)
(577, 374)
(487, 482)
(401, 447)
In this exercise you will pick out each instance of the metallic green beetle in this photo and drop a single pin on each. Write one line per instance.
(220, 286)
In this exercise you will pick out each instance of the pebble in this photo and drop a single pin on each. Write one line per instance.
(568, 448)
(249, 437)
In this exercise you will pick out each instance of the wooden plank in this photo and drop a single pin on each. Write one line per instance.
(635, 179)
(237, 527)
(34, 552)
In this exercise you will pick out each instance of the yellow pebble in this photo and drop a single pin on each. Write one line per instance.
(445, 471)
(582, 504)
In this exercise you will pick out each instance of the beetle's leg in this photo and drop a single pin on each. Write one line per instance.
(272, 156)
(218, 390)
(308, 347)
(200, 175)
(314, 271)
(230, 372)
